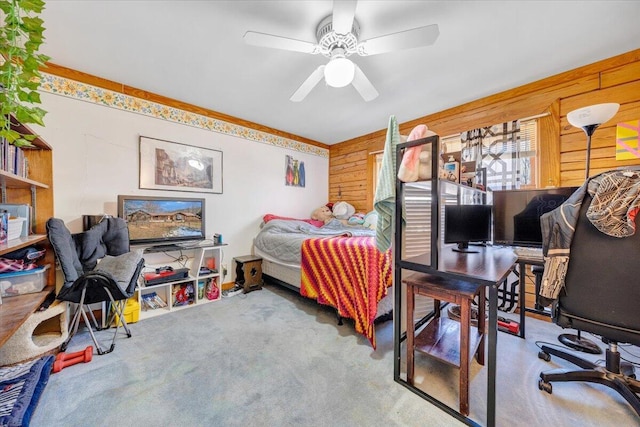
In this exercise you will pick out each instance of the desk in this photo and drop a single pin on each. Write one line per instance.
(14, 311)
(489, 267)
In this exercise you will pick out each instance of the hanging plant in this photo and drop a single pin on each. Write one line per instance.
(20, 38)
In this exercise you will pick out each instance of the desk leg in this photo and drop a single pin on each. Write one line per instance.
(491, 368)
(523, 308)
(465, 325)
(410, 333)
(482, 325)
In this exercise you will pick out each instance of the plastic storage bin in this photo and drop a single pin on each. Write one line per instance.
(23, 282)
(131, 312)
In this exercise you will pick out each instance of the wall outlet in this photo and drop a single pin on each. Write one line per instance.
(224, 271)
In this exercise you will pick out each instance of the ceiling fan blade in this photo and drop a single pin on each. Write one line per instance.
(363, 85)
(308, 84)
(343, 13)
(278, 42)
(417, 37)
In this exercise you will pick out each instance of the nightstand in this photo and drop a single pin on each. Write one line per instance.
(249, 272)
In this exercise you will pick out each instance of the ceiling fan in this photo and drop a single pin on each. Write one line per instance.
(337, 39)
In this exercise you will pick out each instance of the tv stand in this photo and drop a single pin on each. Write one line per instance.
(201, 282)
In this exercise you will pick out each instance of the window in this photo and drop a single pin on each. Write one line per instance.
(507, 151)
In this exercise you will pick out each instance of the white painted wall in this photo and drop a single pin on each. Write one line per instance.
(95, 158)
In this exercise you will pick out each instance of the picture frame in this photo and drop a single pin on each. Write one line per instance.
(167, 165)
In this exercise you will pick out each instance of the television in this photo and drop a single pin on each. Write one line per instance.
(467, 224)
(517, 214)
(162, 221)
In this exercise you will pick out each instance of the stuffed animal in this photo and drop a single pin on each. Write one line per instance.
(416, 161)
(343, 211)
(371, 220)
(323, 213)
(356, 219)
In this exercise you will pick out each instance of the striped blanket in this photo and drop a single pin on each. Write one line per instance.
(348, 273)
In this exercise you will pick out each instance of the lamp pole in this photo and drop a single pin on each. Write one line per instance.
(589, 130)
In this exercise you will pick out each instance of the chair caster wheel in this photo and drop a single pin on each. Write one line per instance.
(544, 356)
(129, 335)
(545, 386)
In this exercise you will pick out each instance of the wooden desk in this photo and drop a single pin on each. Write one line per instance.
(14, 311)
(489, 267)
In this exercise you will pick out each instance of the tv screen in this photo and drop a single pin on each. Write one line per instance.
(464, 224)
(517, 214)
(162, 220)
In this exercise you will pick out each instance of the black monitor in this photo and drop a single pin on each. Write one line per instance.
(465, 224)
(517, 213)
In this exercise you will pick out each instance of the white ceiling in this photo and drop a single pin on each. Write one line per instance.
(193, 51)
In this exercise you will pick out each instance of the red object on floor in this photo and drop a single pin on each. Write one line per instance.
(509, 326)
(64, 360)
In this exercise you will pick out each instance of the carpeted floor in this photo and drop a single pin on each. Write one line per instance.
(273, 358)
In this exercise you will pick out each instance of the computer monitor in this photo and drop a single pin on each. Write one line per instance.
(467, 224)
(517, 213)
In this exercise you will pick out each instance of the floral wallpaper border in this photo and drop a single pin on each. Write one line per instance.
(84, 92)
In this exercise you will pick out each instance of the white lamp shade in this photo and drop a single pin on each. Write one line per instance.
(339, 72)
(593, 115)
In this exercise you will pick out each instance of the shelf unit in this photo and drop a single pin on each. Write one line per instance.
(419, 239)
(187, 292)
(36, 191)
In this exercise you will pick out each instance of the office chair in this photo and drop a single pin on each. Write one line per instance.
(98, 267)
(600, 296)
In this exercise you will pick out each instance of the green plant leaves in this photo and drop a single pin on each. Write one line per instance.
(21, 35)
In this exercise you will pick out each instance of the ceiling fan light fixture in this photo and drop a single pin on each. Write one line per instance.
(339, 72)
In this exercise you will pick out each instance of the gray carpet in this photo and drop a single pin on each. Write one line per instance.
(274, 358)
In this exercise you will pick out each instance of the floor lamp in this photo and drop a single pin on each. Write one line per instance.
(588, 119)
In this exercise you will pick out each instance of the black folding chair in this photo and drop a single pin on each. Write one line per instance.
(98, 267)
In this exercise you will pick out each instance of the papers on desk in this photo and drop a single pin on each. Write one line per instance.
(528, 253)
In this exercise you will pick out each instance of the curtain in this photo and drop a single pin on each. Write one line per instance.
(498, 149)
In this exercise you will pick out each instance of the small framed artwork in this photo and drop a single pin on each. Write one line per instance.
(294, 174)
(166, 165)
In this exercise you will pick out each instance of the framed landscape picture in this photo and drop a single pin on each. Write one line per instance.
(166, 165)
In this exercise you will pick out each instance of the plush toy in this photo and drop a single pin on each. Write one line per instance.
(323, 213)
(371, 220)
(416, 161)
(343, 211)
(356, 219)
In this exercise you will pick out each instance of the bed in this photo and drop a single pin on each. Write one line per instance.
(337, 265)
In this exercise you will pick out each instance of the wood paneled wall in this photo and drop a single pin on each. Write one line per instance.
(562, 148)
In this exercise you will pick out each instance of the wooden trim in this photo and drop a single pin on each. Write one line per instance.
(549, 147)
(79, 76)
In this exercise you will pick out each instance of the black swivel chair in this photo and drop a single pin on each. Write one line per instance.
(98, 267)
(601, 296)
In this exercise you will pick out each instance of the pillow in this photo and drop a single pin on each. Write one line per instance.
(121, 268)
(315, 222)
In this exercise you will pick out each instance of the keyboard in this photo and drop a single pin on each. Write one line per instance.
(525, 252)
